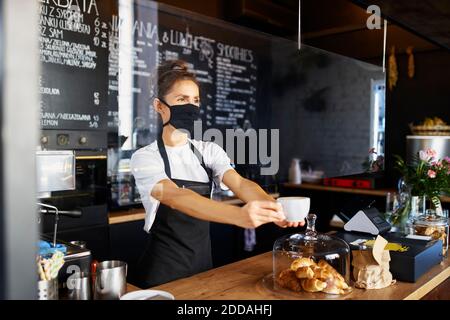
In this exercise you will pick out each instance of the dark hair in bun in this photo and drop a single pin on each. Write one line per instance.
(167, 74)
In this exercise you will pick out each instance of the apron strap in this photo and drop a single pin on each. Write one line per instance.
(201, 160)
(163, 152)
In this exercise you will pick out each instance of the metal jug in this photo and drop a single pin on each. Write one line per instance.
(79, 286)
(110, 280)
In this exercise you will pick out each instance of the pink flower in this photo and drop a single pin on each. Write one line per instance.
(431, 153)
(423, 155)
(447, 159)
(437, 164)
(431, 174)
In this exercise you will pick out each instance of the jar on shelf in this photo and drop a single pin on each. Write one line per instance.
(433, 226)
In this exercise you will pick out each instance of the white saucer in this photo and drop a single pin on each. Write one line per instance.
(148, 295)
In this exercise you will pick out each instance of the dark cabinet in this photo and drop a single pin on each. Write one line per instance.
(127, 242)
(224, 243)
(228, 242)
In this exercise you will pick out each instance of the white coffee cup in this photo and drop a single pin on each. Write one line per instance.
(295, 208)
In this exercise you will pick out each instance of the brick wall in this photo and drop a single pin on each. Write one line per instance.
(324, 112)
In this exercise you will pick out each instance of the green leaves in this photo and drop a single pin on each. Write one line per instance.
(426, 177)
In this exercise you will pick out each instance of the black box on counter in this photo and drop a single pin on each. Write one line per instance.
(409, 265)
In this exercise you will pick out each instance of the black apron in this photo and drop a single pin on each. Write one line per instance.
(179, 245)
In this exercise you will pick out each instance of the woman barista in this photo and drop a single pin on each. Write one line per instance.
(175, 175)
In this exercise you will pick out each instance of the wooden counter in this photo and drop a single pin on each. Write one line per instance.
(136, 214)
(243, 281)
(370, 192)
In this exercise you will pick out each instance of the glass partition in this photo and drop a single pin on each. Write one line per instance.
(329, 109)
(264, 101)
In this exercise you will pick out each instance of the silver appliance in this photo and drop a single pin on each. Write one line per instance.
(441, 144)
(55, 171)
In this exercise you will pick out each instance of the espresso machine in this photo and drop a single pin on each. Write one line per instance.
(89, 192)
(56, 172)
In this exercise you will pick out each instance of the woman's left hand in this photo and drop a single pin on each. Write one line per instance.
(289, 224)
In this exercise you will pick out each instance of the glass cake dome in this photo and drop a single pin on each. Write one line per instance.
(311, 262)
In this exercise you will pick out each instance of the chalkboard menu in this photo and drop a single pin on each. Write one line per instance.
(73, 47)
(98, 58)
(141, 37)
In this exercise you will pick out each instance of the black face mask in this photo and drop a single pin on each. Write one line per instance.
(183, 116)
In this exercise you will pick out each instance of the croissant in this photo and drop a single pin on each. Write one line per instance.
(302, 262)
(340, 283)
(325, 265)
(304, 273)
(313, 285)
(288, 280)
(312, 277)
(338, 278)
(333, 290)
(322, 273)
(335, 286)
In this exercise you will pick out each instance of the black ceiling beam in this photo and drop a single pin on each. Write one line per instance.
(395, 16)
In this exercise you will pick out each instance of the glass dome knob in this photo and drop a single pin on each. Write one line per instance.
(311, 233)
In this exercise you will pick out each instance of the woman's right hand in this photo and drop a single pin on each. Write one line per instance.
(259, 212)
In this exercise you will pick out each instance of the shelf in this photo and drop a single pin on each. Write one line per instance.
(374, 192)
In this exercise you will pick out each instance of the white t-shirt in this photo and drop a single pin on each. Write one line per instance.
(147, 167)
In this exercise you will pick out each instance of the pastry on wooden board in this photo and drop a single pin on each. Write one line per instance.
(313, 285)
(306, 274)
(288, 280)
(302, 262)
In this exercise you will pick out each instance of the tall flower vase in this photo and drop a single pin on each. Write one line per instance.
(400, 217)
(436, 205)
(410, 208)
(418, 207)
